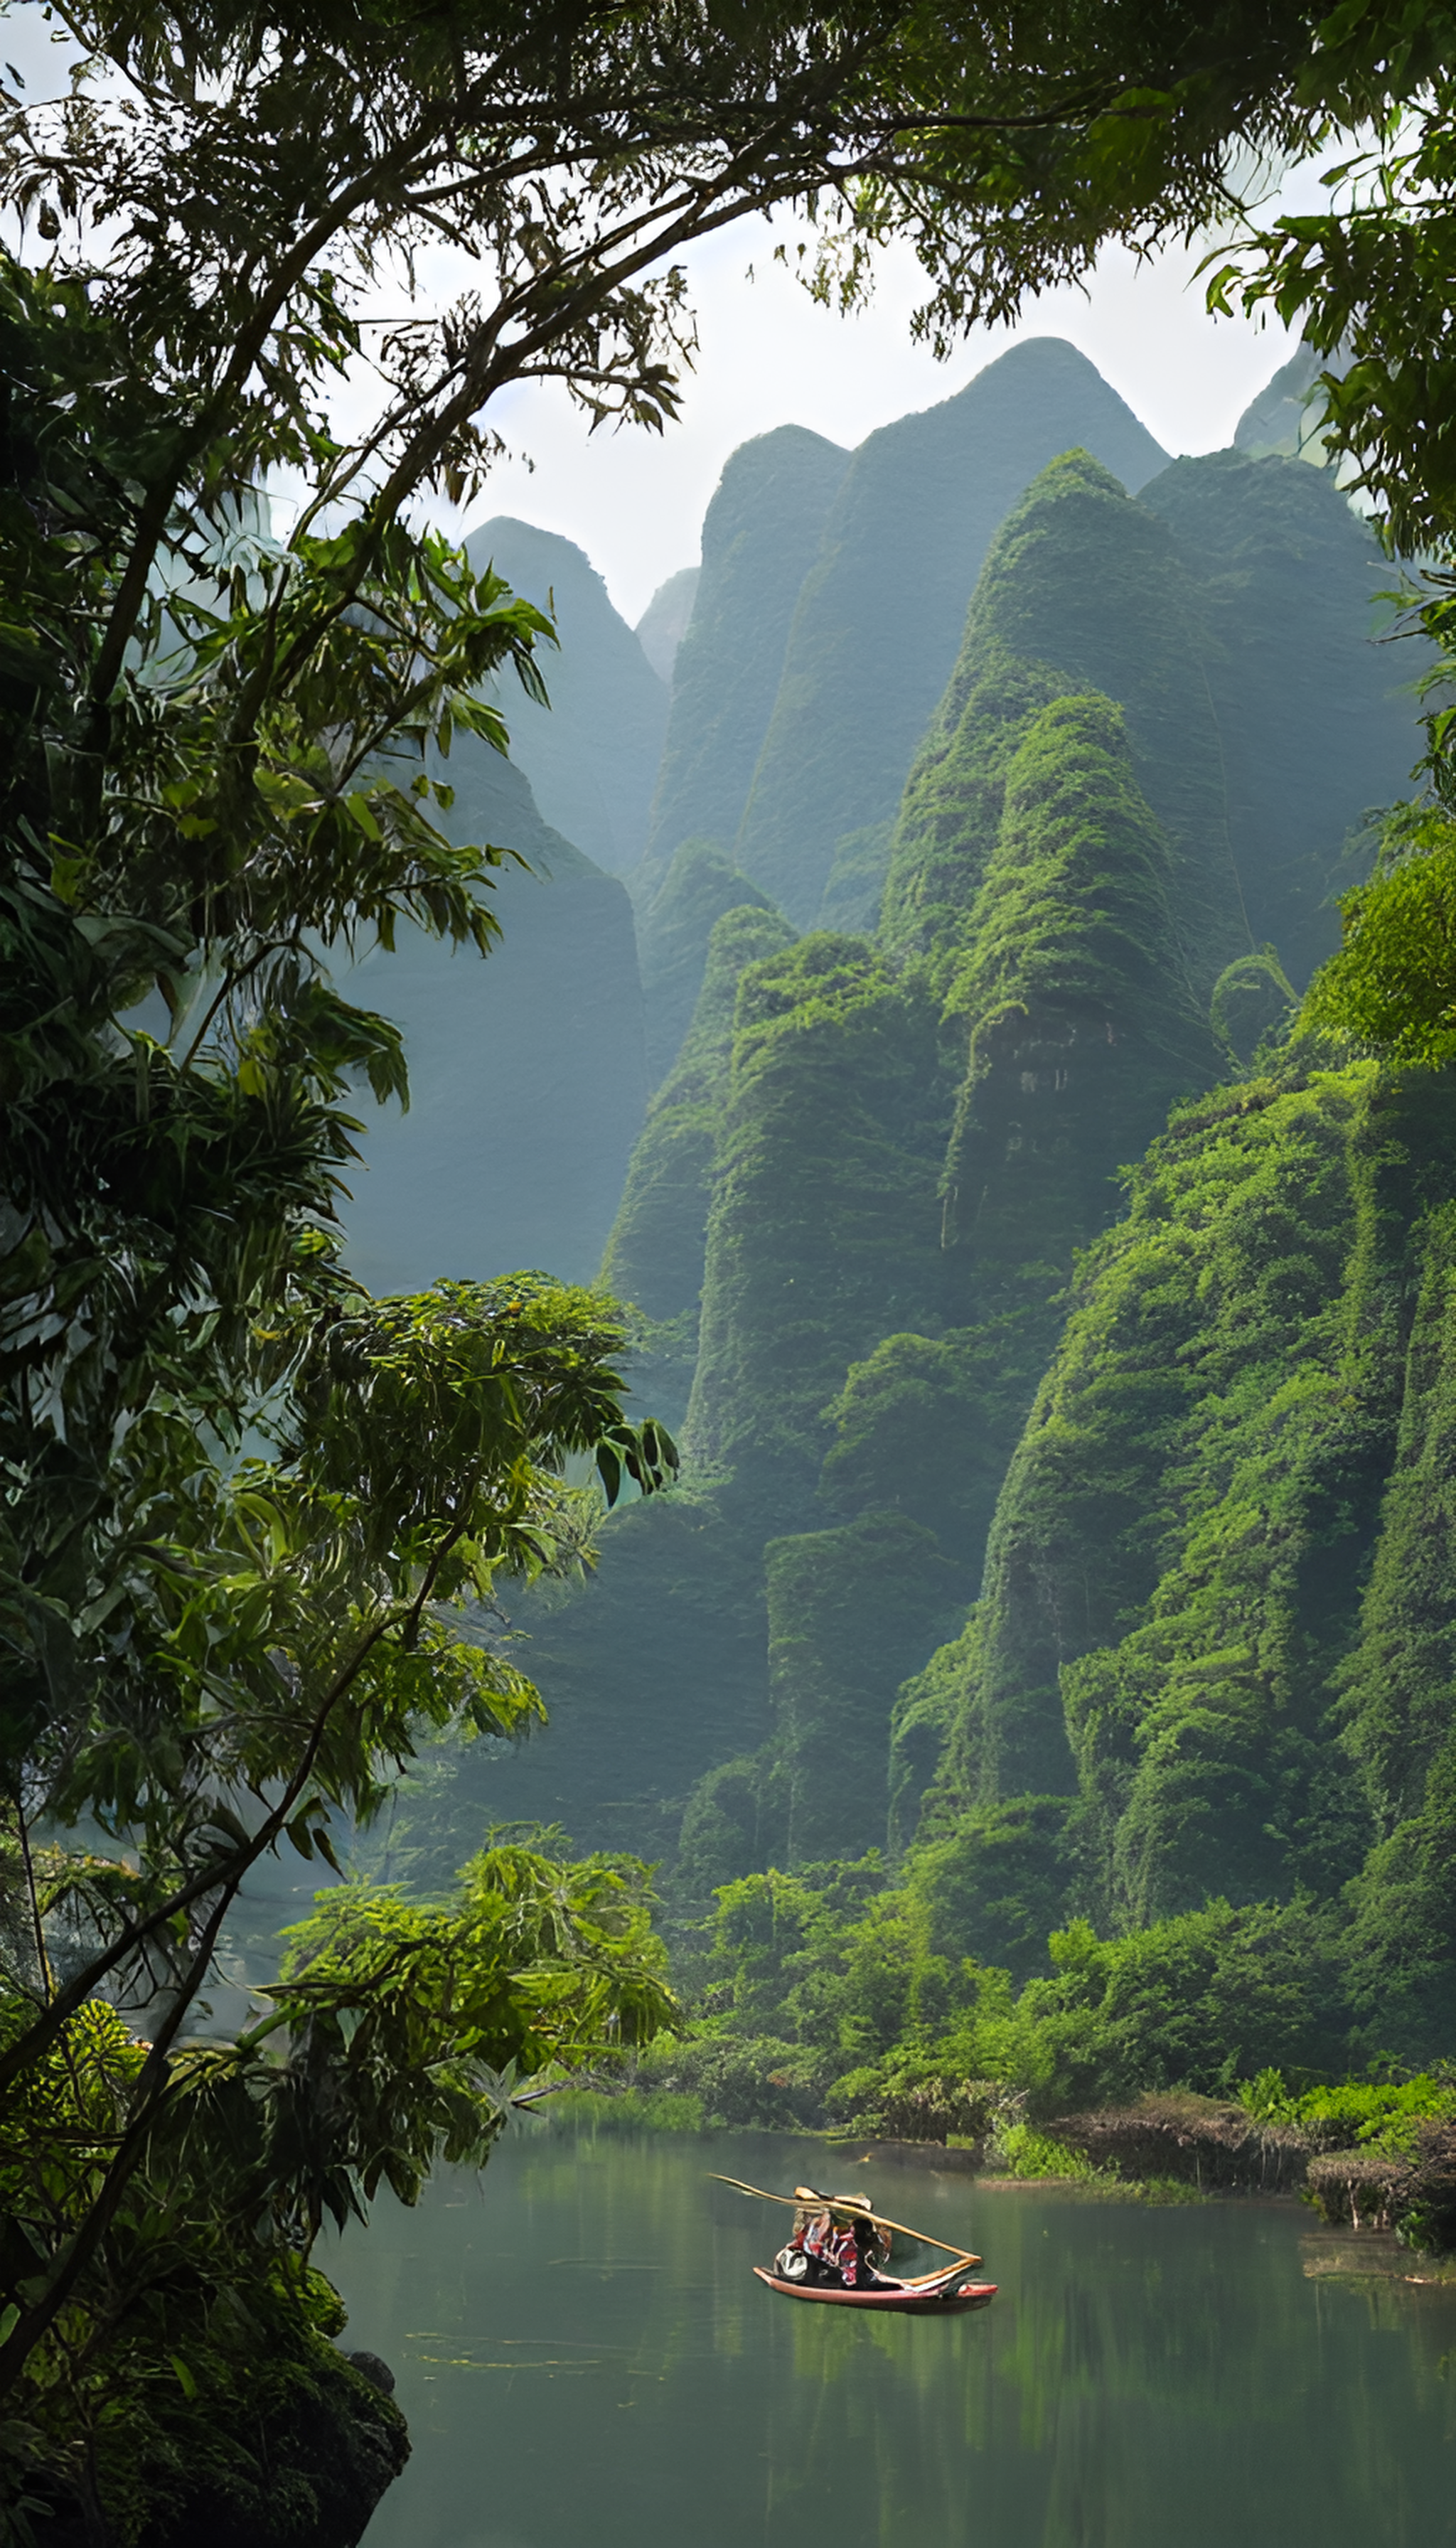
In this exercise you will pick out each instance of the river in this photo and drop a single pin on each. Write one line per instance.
(587, 2363)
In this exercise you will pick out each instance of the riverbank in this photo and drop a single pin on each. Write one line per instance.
(1171, 2146)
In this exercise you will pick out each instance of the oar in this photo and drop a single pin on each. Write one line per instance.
(879, 2219)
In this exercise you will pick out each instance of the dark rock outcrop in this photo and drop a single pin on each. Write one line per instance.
(1414, 2194)
(301, 2458)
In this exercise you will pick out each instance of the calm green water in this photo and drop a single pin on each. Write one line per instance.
(587, 2363)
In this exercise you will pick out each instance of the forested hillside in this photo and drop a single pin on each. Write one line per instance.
(1037, 1531)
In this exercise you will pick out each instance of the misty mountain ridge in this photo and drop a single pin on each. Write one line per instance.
(1071, 746)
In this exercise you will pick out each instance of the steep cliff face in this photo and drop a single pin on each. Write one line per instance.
(1083, 1024)
(1219, 1602)
(1081, 1028)
(850, 1613)
(592, 756)
(655, 1252)
(1082, 591)
(760, 537)
(673, 933)
(824, 1230)
(1316, 718)
(527, 1072)
(880, 616)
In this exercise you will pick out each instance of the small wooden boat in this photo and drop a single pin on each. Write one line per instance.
(939, 2295)
(942, 2294)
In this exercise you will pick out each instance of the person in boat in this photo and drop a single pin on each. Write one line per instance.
(835, 2240)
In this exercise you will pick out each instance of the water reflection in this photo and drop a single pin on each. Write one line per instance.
(587, 2363)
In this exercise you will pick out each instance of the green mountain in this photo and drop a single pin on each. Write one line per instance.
(1081, 1028)
(527, 1072)
(1220, 1609)
(1082, 591)
(760, 538)
(663, 623)
(1316, 718)
(592, 756)
(673, 933)
(1186, 1439)
(655, 1253)
(882, 611)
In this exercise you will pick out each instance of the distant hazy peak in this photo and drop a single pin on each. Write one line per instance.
(760, 537)
(591, 758)
(1044, 369)
(764, 456)
(1287, 418)
(530, 558)
(663, 623)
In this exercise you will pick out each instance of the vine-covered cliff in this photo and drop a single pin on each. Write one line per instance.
(824, 1228)
(1220, 1602)
(1184, 1438)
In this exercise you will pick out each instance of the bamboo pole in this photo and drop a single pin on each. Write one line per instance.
(828, 2200)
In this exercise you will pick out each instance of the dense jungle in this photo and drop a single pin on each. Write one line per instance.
(818, 1499)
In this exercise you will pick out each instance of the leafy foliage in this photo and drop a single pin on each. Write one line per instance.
(252, 1520)
(398, 2037)
(857, 1977)
(1368, 279)
(1393, 983)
